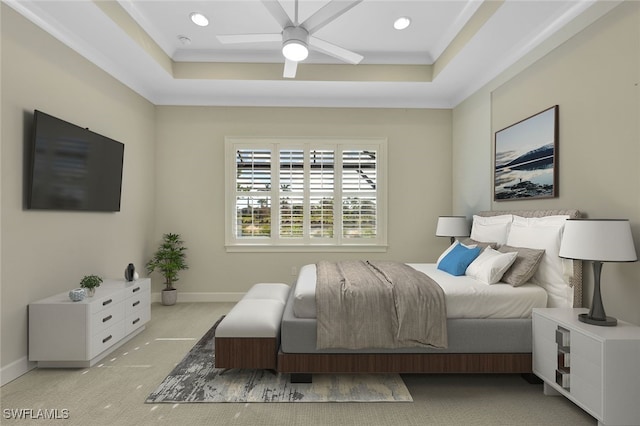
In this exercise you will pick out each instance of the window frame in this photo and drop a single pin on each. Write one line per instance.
(275, 243)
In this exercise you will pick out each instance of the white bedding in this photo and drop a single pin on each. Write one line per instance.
(464, 296)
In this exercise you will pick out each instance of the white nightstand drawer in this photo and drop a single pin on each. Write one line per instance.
(586, 392)
(544, 358)
(545, 329)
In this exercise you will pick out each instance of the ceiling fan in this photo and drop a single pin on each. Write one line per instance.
(297, 37)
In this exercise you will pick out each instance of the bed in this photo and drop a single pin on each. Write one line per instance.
(488, 326)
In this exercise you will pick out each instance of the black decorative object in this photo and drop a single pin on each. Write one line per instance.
(129, 272)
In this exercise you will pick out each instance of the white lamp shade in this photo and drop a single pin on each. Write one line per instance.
(602, 240)
(452, 226)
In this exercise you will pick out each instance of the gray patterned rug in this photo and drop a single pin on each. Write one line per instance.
(196, 379)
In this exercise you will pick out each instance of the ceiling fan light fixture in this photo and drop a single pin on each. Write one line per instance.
(401, 23)
(199, 19)
(295, 43)
(295, 50)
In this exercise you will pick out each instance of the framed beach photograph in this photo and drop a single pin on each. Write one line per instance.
(526, 158)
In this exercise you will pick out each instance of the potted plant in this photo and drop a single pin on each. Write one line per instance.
(169, 259)
(90, 283)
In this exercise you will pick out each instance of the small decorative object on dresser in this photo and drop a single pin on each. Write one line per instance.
(90, 283)
(598, 240)
(169, 259)
(129, 272)
(77, 294)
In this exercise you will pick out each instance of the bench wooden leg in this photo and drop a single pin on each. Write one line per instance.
(301, 378)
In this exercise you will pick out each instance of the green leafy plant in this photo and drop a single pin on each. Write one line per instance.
(90, 281)
(169, 259)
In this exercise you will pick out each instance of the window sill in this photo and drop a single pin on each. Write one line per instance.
(264, 248)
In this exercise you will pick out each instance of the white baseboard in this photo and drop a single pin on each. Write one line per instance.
(15, 370)
(201, 297)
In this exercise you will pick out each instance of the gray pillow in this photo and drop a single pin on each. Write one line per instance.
(482, 245)
(523, 267)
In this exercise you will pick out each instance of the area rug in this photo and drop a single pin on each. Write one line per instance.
(196, 379)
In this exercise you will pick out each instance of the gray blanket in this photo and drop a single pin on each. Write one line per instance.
(378, 304)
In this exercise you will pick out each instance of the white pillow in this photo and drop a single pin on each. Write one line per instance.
(492, 229)
(455, 243)
(490, 266)
(544, 233)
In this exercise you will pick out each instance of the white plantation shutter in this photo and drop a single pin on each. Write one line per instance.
(291, 217)
(252, 199)
(322, 193)
(359, 190)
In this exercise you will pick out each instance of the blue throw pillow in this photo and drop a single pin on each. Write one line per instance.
(458, 259)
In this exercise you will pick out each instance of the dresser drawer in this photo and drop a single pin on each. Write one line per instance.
(137, 288)
(100, 303)
(106, 338)
(137, 319)
(136, 303)
(107, 317)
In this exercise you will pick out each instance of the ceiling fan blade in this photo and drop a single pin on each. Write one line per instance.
(290, 68)
(277, 11)
(248, 38)
(328, 13)
(335, 51)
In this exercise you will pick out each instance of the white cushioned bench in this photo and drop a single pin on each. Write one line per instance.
(249, 335)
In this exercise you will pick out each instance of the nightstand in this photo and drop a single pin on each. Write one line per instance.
(598, 368)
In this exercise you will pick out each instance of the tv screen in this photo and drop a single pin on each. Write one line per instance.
(71, 168)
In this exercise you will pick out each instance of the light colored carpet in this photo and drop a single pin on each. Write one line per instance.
(196, 379)
(113, 393)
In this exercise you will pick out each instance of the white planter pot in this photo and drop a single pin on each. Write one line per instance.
(169, 297)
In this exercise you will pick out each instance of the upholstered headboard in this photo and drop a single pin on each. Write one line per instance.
(575, 280)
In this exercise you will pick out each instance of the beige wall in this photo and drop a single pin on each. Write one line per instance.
(44, 253)
(594, 78)
(190, 179)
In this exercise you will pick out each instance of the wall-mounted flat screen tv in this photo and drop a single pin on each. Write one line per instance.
(71, 168)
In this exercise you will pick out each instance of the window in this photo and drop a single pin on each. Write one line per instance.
(310, 194)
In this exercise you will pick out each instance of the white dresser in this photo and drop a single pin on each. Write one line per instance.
(63, 333)
(598, 368)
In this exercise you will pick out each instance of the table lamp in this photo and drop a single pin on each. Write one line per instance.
(452, 226)
(598, 241)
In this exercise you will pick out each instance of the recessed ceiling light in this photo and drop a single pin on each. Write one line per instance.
(401, 23)
(199, 19)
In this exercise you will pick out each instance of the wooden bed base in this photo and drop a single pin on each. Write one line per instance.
(405, 363)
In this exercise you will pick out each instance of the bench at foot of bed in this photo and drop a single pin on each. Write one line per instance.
(249, 336)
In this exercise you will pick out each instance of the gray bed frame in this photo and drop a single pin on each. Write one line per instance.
(475, 345)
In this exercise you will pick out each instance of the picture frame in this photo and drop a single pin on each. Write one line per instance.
(526, 158)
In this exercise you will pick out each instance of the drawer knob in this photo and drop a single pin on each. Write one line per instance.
(106, 339)
(135, 289)
(106, 302)
(107, 318)
(136, 303)
(135, 321)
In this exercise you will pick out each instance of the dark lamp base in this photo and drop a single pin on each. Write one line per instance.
(608, 322)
